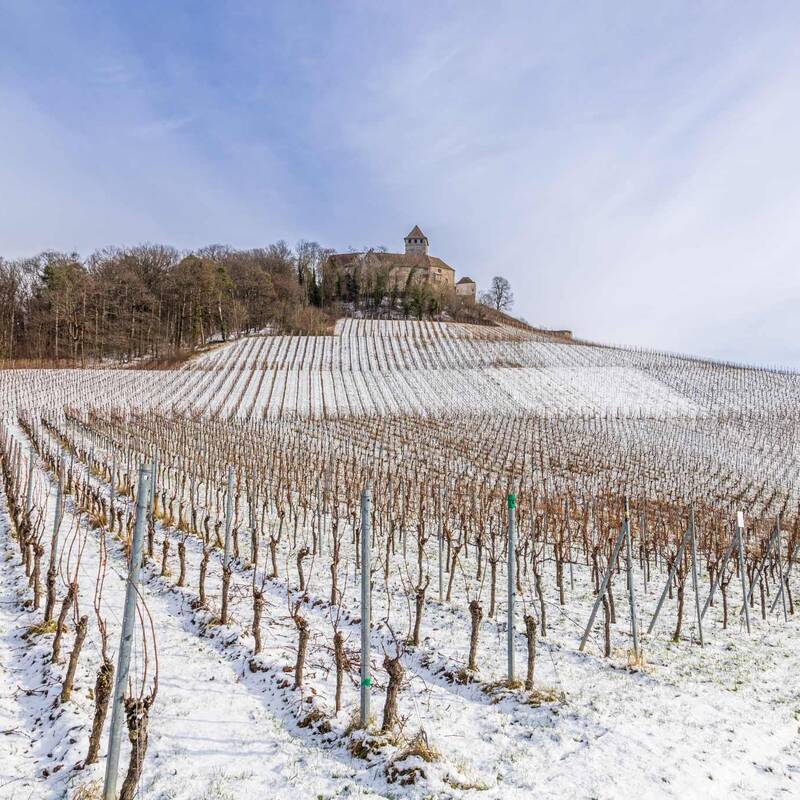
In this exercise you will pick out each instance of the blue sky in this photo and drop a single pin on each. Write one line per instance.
(631, 168)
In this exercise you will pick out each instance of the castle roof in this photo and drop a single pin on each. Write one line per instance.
(416, 233)
(465, 279)
(390, 260)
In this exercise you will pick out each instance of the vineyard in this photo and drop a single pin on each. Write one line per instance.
(410, 559)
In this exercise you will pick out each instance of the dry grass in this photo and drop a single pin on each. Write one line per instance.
(505, 689)
(365, 745)
(637, 662)
(168, 361)
(502, 687)
(316, 719)
(354, 724)
(545, 696)
(41, 628)
(97, 520)
(364, 742)
(407, 766)
(88, 791)
(463, 676)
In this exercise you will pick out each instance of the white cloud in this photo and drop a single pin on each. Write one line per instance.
(631, 170)
(658, 210)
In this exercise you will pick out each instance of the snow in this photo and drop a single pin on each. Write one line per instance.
(468, 369)
(212, 734)
(720, 721)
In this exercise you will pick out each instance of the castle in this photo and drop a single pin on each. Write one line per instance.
(403, 268)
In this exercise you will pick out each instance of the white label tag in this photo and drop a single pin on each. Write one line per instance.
(740, 519)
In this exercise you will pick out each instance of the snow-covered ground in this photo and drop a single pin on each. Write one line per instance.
(717, 721)
(391, 367)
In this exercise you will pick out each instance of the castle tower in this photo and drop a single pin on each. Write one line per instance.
(416, 243)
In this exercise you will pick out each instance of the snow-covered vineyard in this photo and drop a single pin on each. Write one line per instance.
(555, 569)
(387, 367)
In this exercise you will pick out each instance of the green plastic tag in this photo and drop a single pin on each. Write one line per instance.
(512, 501)
(367, 682)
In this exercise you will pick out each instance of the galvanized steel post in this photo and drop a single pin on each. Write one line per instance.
(366, 679)
(512, 582)
(126, 638)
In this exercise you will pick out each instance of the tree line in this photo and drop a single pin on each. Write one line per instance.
(154, 304)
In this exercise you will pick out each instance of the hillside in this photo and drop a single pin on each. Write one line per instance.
(400, 367)
(262, 450)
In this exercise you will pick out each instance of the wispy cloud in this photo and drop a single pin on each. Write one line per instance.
(632, 170)
(158, 128)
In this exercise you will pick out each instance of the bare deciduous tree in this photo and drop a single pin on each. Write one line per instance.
(499, 295)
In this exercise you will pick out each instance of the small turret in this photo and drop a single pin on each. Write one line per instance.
(416, 243)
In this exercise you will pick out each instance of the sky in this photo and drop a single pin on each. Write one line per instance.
(633, 168)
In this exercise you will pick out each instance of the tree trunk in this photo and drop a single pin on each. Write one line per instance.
(164, 557)
(334, 582)
(612, 611)
(396, 673)
(303, 632)
(476, 614)
(201, 600)
(339, 656)
(51, 592)
(226, 585)
(80, 635)
(102, 693)
(258, 605)
(137, 714)
(455, 551)
(724, 590)
(151, 532)
(254, 546)
(537, 581)
(419, 605)
(65, 604)
(606, 627)
(679, 624)
(492, 586)
(273, 554)
(182, 562)
(530, 635)
(302, 554)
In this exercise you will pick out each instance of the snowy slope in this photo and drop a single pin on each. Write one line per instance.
(716, 722)
(390, 367)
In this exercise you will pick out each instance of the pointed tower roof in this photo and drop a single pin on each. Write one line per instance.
(416, 233)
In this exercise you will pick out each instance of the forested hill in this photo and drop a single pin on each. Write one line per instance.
(151, 301)
(153, 305)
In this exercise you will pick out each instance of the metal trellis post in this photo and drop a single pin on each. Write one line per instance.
(126, 638)
(739, 531)
(631, 592)
(366, 679)
(512, 586)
